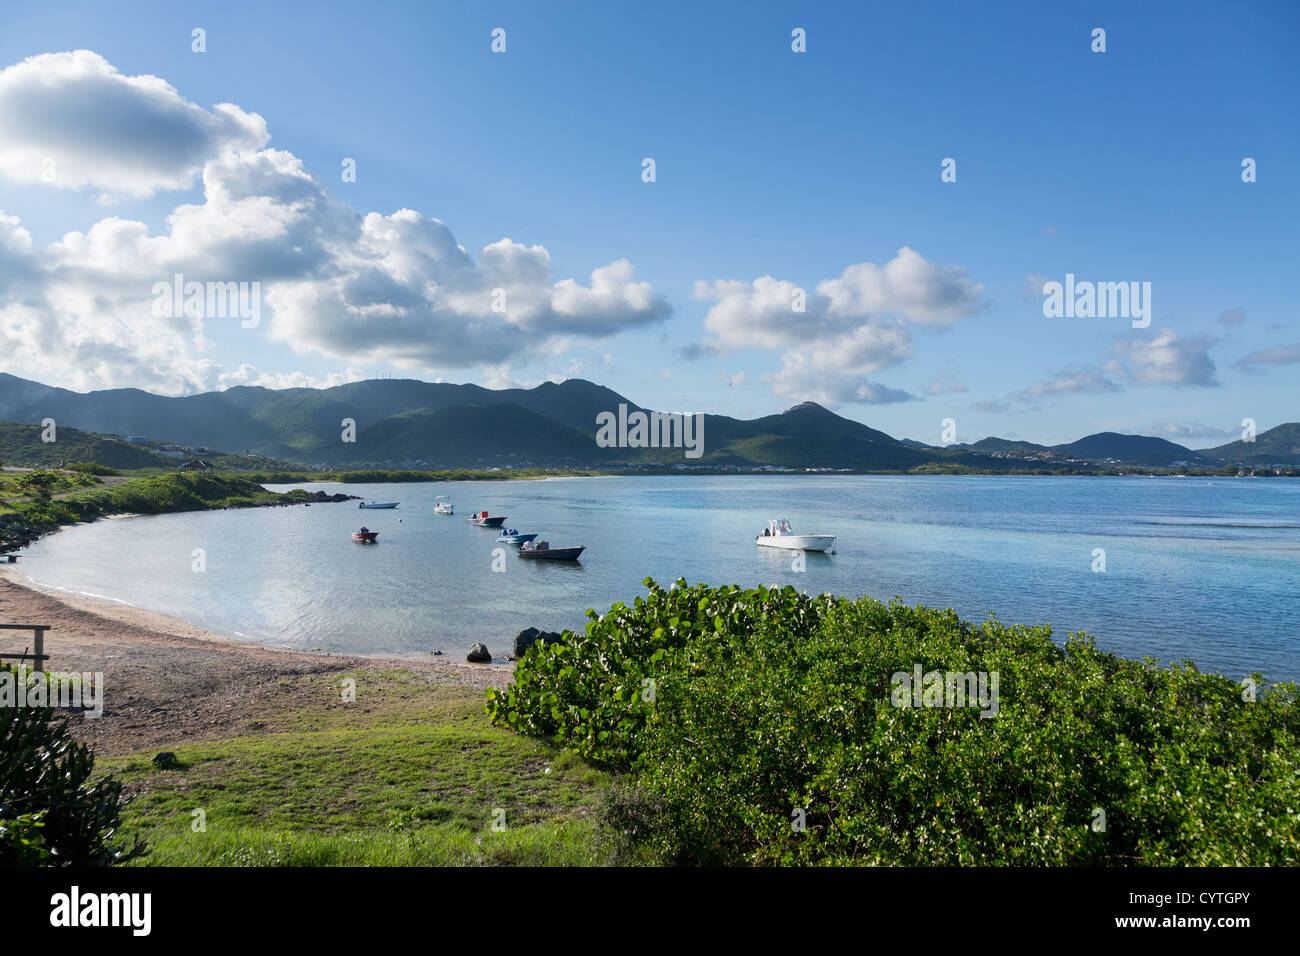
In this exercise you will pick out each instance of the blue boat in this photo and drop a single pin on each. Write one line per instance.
(511, 536)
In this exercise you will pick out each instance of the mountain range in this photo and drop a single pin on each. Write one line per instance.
(409, 423)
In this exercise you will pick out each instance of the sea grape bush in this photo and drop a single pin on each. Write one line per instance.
(772, 739)
(594, 690)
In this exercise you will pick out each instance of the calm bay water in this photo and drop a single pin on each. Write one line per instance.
(1205, 569)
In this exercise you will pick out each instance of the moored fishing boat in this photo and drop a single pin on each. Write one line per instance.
(484, 520)
(779, 535)
(378, 504)
(366, 536)
(543, 550)
(515, 537)
(444, 506)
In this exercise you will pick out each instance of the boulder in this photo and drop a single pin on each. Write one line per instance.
(479, 654)
(530, 636)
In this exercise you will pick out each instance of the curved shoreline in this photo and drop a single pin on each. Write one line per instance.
(167, 681)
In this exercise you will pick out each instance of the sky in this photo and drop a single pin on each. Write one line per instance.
(799, 240)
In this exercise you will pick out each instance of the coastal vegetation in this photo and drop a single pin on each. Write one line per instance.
(389, 476)
(760, 727)
(36, 502)
(52, 813)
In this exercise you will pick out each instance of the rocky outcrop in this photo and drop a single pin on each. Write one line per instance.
(479, 654)
(17, 532)
(530, 636)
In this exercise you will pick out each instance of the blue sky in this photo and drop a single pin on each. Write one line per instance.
(811, 168)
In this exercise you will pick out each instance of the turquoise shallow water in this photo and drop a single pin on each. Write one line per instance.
(1203, 569)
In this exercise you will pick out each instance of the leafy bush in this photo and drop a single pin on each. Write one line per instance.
(594, 690)
(22, 842)
(50, 811)
(772, 739)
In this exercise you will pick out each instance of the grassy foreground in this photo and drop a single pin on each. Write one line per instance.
(411, 773)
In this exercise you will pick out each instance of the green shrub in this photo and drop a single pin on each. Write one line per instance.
(772, 739)
(92, 468)
(50, 810)
(22, 843)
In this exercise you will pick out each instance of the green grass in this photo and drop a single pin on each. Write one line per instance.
(410, 774)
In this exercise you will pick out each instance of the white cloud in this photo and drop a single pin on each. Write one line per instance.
(72, 120)
(908, 285)
(1164, 359)
(375, 289)
(850, 326)
(834, 371)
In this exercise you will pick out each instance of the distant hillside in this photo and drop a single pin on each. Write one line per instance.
(1006, 444)
(404, 423)
(499, 434)
(1277, 446)
(21, 445)
(1131, 449)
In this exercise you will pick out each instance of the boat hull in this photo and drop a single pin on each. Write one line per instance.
(489, 522)
(552, 554)
(370, 537)
(517, 538)
(379, 505)
(797, 542)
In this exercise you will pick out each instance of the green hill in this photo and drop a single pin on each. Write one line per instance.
(21, 445)
(1277, 446)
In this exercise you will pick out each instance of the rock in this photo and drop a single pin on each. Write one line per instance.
(530, 636)
(479, 654)
(166, 761)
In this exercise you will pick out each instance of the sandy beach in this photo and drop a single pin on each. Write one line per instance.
(167, 682)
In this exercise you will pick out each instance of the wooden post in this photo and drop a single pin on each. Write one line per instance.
(38, 646)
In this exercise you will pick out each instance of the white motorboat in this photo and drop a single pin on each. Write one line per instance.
(779, 535)
(443, 507)
(379, 504)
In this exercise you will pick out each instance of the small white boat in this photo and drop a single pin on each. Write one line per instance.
(779, 535)
(443, 507)
(379, 504)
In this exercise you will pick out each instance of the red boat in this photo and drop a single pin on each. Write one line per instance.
(484, 520)
(366, 536)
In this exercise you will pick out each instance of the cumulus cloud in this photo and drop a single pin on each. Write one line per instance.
(71, 120)
(1164, 359)
(1279, 355)
(908, 285)
(834, 370)
(847, 328)
(366, 289)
